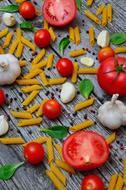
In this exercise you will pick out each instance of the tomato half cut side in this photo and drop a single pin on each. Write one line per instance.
(59, 12)
(85, 150)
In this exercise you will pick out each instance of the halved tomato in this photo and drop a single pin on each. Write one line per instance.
(85, 150)
(59, 12)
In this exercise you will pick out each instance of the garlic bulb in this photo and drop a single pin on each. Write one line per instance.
(103, 39)
(9, 69)
(3, 125)
(87, 61)
(9, 19)
(112, 114)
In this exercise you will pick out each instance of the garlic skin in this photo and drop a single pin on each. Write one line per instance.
(87, 61)
(9, 19)
(9, 69)
(103, 39)
(112, 114)
(4, 127)
(68, 92)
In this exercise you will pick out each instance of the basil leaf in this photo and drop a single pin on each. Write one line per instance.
(79, 4)
(26, 25)
(63, 44)
(118, 38)
(56, 131)
(10, 8)
(8, 170)
(86, 87)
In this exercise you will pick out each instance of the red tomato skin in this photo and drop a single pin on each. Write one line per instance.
(2, 98)
(65, 67)
(105, 53)
(27, 10)
(42, 38)
(110, 82)
(79, 163)
(92, 182)
(34, 153)
(57, 22)
(52, 109)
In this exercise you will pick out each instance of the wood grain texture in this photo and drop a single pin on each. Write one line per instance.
(34, 178)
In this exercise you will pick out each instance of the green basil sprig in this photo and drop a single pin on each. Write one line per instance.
(8, 170)
(118, 38)
(56, 131)
(86, 88)
(79, 4)
(10, 8)
(63, 44)
(26, 25)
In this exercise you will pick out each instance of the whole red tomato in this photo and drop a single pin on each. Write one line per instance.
(92, 182)
(65, 67)
(27, 10)
(34, 153)
(2, 97)
(105, 53)
(42, 38)
(112, 76)
(52, 109)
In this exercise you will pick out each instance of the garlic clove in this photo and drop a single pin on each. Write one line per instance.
(4, 127)
(68, 92)
(87, 61)
(103, 39)
(9, 19)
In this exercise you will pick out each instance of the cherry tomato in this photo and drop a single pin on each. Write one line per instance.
(85, 150)
(59, 13)
(52, 109)
(2, 97)
(105, 53)
(34, 153)
(92, 182)
(65, 67)
(42, 38)
(112, 76)
(27, 10)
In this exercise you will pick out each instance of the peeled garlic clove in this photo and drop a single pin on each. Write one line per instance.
(103, 39)
(87, 61)
(68, 92)
(3, 125)
(9, 19)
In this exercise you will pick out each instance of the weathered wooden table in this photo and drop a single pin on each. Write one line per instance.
(34, 178)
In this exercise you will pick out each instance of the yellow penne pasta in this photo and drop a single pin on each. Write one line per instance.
(50, 61)
(120, 49)
(39, 65)
(91, 36)
(111, 138)
(3, 32)
(39, 57)
(124, 178)
(90, 2)
(52, 34)
(50, 150)
(19, 50)
(13, 46)
(22, 115)
(18, 33)
(55, 180)
(9, 140)
(56, 81)
(112, 182)
(71, 34)
(100, 9)
(75, 72)
(30, 98)
(27, 82)
(20, 1)
(58, 174)
(32, 73)
(77, 35)
(119, 183)
(84, 104)
(29, 122)
(22, 63)
(76, 53)
(28, 43)
(92, 16)
(87, 71)
(1, 50)
(104, 17)
(7, 40)
(82, 125)
(46, 26)
(40, 140)
(31, 88)
(59, 150)
(33, 108)
(40, 111)
(65, 166)
(43, 78)
(110, 11)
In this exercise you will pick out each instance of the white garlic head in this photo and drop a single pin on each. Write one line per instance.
(9, 19)
(4, 127)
